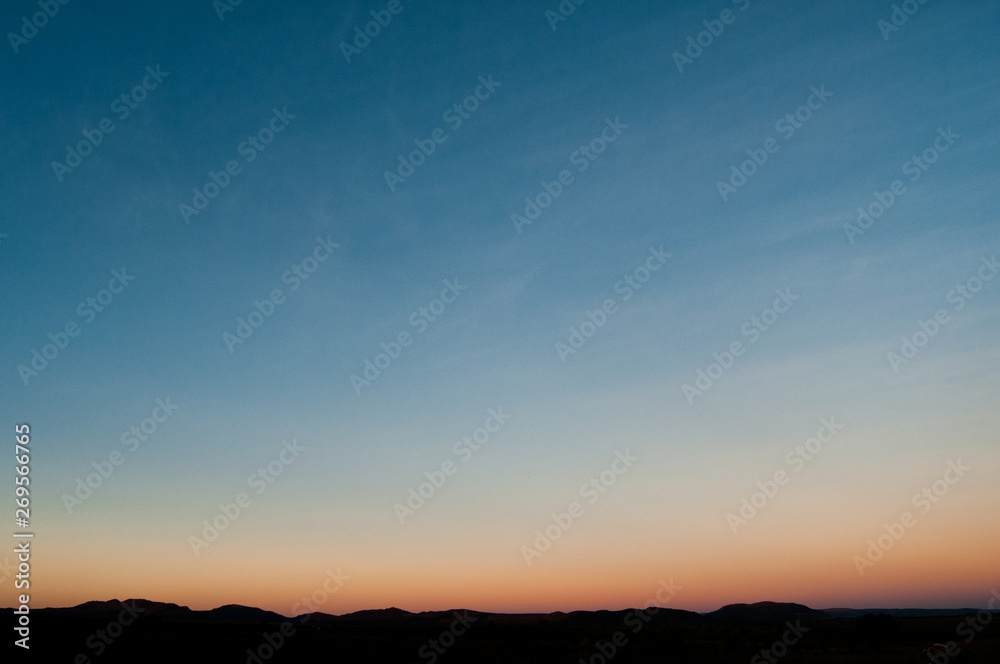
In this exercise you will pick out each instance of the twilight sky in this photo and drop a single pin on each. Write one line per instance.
(601, 294)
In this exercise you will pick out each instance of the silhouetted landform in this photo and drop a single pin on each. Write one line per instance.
(147, 631)
(767, 612)
(239, 613)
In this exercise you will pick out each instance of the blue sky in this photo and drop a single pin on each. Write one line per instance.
(323, 176)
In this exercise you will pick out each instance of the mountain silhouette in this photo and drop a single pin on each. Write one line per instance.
(169, 633)
(240, 613)
(735, 613)
(766, 612)
(143, 607)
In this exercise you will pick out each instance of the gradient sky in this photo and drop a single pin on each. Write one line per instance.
(494, 347)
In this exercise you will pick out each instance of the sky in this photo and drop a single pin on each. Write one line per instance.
(517, 306)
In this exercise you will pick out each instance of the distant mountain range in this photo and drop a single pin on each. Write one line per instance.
(766, 612)
(759, 612)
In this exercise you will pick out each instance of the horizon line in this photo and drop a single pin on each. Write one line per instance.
(524, 613)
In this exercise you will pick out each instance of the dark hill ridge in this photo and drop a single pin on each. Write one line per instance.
(240, 613)
(143, 607)
(444, 618)
(759, 612)
(146, 608)
(766, 612)
(375, 615)
(168, 633)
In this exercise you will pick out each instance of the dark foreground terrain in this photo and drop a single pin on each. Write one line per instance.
(143, 631)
